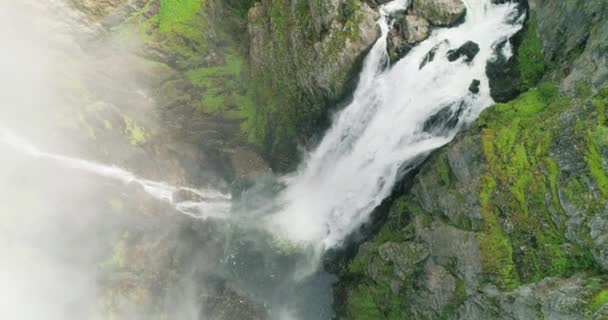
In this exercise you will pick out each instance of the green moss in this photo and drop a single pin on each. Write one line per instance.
(600, 299)
(389, 232)
(290, 108)
(583, 89)
(178, 15)
(136, 134)
(222, 88)
(531, 57)
(497, 254)
(603, 92)
(376, 302)
(593, 159)
(458, 298)
(522, 239)
(362, 305)
(442, 167)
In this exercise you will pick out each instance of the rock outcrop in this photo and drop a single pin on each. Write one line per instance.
(304, 58)
(440, 12)
(574, 39)
(408, 30)
(511, 229)
(512, 214)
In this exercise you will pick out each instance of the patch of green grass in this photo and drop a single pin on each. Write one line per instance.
(603, 92)
(459, 297)
(600, 299)
(521, 241)
(222, 88)
(442, 167)
(178, 15)
(137, 135)
(494, 246)
(362, 305)
(593, 159)
(531, 57)
(583, 89)
(376, 302)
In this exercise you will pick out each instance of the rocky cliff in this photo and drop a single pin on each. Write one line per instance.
(509, 220)
(305, 56)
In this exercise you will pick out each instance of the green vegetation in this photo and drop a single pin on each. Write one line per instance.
(600, 299)
(531, 58)
(460, 296)
(206, 42)
(443, 169)
(221, 88)
(178, 15)
(288, 101)
(377, 302)
(136, 134)
(520, 189)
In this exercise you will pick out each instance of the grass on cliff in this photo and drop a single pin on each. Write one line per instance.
(376, 302)
(531, 60)
(178, 15)
(600, 299)
(202, 40)
(522, 239)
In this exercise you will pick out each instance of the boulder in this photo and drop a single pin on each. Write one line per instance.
(407, 31)
(503, 75)
(469, 50)
(474, 87)
(442, 13)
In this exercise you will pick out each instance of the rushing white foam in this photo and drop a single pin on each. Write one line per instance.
(205, 203)
(361, 157)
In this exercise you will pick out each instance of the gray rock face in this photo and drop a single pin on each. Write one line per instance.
(310, 55)
(574, 37)
(440, 12)
(446, 212)
(404, 256)
(407, 31)
(447, 277)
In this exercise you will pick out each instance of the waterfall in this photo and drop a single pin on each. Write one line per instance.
(201, 203)
(389, 125)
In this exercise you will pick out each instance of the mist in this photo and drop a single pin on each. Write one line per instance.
(113, 207)
(64, 231)
(107, 213)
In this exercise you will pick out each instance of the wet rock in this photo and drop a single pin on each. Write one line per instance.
(183, 195)
(503, 75)
(444, 120)
(230, 304)
(474, 87)
(314, 68)
(430, 56)
(468, 50)
(407, 31)
(440, 12)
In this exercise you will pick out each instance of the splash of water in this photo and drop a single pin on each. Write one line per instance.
(372, 142)
(386, 127)
(204, 203)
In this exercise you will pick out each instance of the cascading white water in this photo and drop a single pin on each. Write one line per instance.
(360, 158)
(206, 203)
